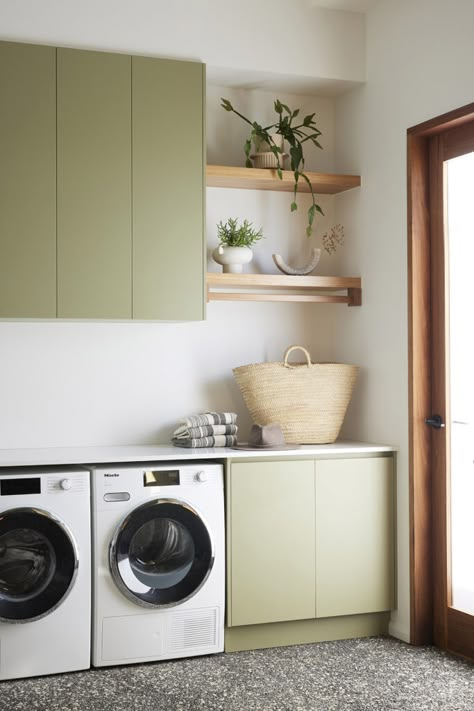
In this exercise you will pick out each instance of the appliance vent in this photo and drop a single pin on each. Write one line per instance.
(196, 628)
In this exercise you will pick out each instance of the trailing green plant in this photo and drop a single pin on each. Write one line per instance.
(231, 234)
(295, 135)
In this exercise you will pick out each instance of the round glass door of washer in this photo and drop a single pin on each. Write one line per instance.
(161, 553)
(38, 564)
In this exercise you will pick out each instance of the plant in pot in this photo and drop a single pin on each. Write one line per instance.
(271, 137)
(235, 241)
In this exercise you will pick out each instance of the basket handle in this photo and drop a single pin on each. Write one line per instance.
(295, 348)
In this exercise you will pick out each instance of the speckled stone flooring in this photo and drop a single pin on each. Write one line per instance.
(376, 674)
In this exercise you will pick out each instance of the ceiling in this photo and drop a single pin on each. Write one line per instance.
(350, 5)
(305, 85)
(267, 81)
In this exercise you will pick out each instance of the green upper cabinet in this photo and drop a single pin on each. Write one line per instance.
(94, 185)
(101, 185)
(168, 189)
(27, 181)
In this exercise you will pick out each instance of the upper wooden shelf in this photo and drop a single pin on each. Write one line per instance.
(223, 176)
(262, 287)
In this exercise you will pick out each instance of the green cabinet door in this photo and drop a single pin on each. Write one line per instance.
(354, 536)
(271, 544)
(94, 185)
(27, 181)
(168, 189)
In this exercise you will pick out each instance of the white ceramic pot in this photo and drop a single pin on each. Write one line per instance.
(232, 258)
(277, 139)
(263, 156)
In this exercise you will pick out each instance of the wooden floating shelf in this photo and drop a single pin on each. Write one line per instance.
(262, 287)
(223, 176)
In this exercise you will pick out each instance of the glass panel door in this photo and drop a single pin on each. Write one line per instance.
(440, 259)
(452, 236)
(459, 225)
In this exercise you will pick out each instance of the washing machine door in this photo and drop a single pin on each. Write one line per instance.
(161, 554)
(38, 564)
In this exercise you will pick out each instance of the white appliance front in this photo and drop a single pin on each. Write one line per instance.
(158, 561)
(45, 572)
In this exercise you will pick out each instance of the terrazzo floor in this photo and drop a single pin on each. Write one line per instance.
(376, 674)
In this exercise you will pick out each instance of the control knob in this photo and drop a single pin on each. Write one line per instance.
(201, 476)
(65, 484)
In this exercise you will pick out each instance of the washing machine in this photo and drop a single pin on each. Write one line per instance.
(158, 561)
(45, 572)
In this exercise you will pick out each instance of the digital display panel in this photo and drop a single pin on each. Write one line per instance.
(161, 477)
(22, 485)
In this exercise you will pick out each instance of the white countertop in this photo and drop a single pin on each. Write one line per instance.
(139, 453)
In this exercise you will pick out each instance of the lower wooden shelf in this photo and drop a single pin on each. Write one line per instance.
(280, 287)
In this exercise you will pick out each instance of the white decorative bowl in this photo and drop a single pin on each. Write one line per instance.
(232, 258)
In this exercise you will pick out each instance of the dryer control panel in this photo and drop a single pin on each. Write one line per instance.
(185, 475)
(122, 482)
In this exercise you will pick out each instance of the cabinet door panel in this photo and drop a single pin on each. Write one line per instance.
(168, 189)
(354, 536)
(27, 181)
(94, 185)
(272, 548)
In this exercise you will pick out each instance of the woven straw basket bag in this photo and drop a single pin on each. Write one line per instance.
(308, 400)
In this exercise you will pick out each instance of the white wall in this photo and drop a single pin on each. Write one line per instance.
(420, 60)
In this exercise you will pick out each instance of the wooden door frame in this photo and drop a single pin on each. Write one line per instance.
(420, 141)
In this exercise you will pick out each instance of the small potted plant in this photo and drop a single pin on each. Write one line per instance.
(235, 241)
(295, 134)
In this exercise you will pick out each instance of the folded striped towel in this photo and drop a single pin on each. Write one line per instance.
(209, 418)
(205, 431)
(217, 441)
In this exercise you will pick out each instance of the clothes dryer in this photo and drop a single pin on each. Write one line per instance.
(45, 572)
(158, 561)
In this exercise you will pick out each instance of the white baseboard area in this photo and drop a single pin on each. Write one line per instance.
(399, 633)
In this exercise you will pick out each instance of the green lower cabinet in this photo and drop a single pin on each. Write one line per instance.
(354, 536)
(271, 564)
(309, 541)
(27, 181)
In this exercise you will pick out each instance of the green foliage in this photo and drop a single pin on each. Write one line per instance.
(295, 135)
(232, 234)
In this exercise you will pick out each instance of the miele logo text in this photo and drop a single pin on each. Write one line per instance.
(111, 474)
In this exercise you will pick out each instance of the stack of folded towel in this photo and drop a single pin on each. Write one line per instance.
(209, 429)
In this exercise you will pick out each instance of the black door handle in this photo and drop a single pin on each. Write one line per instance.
(435, 421)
